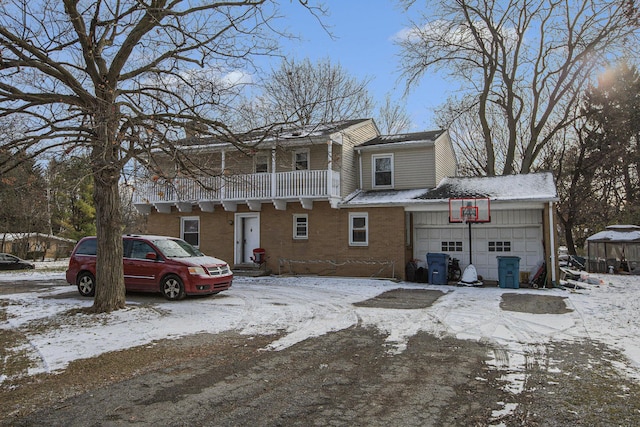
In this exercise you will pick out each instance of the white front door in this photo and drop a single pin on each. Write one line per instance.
(247, 233)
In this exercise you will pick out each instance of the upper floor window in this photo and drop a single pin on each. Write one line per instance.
(301, 160)
(190, 230)
(358, 229)
(301, 226)
(383, 170)
(261, 162)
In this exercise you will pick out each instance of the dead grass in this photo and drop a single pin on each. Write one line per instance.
(25, 394)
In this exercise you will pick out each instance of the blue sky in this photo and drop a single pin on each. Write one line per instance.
(363, 46)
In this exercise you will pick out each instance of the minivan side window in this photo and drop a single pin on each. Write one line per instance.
(88, 247)
(140, 249)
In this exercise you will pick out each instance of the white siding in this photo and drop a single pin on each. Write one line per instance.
(412, 167)
(445, 158)
(355, 135)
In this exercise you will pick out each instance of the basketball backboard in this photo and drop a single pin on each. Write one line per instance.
(469, 210)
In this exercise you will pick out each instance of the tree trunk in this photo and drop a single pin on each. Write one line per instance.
(110, 290)
(568, 237)
(105, 161)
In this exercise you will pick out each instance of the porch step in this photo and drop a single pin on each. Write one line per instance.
(250, 271)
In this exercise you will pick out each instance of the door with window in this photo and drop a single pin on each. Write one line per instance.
(139, 273)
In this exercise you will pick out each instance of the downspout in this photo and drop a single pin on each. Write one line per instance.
(360, 171)
(553, 245)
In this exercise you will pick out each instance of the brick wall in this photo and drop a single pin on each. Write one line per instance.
(325, 252)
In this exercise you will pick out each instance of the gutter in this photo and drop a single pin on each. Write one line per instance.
(553, 245)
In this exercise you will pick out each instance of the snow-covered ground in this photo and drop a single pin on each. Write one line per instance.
(305, 307)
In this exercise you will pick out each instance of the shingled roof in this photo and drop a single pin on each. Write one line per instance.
(415, 137)
(289, 133)
(533, 186)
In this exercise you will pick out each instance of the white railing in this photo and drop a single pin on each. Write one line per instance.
(259, 186)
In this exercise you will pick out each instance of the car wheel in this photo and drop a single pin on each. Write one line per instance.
(172, 287)
(86, 284)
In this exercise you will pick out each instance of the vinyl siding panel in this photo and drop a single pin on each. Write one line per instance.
(445, 158)
(350, 178)
(412, 168)
(499, 218)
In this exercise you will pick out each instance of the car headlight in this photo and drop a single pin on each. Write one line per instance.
(197, 271)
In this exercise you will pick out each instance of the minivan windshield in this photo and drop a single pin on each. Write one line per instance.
(174, 248)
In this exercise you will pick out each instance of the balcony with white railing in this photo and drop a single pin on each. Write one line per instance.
(230, 190)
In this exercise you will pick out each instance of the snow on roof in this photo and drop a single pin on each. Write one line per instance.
(293, 133)
(405, 138)
(617, 233)
(383, 197)
(10, 237)
(536, 186)
(318, 129)
(533, 186)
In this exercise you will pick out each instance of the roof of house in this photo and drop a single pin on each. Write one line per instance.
(406, 138)
(526, 187)
(383, 197)
(10, 237)
(279, 134)
(533, 186)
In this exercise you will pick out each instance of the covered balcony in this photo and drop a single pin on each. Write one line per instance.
(227, 191)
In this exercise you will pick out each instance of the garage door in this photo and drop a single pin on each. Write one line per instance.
(488, 242)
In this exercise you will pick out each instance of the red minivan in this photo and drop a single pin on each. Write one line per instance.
(162, 264)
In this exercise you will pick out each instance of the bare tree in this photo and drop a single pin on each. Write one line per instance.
(23, 197)
(521, 65)
(120, 79)
(309, 93)
(393, 117)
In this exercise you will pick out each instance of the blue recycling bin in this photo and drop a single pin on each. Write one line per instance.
(438, 265)
(509, 272)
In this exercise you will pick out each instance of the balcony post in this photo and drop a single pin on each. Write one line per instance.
(329, 167)
(223, 184)
(274, 181)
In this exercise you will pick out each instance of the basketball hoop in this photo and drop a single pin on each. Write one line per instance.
(469, 214)
(469, 210)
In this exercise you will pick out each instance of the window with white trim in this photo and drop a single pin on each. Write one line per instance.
(190, 230)
(382, 165)
(301, 160)
(261, 162)
(300, 226)
(358, 229)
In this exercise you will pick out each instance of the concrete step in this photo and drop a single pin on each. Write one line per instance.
(250, 271)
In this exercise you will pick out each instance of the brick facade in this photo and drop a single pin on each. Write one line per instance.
(325, 252)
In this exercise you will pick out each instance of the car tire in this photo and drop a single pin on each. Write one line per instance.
(172, 288)
(86, 284)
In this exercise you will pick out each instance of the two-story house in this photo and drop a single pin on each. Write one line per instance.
(334, 199)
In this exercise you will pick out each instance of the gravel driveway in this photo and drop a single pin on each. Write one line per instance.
(344, 378)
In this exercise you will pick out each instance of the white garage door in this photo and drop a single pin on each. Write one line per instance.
(488, 243)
